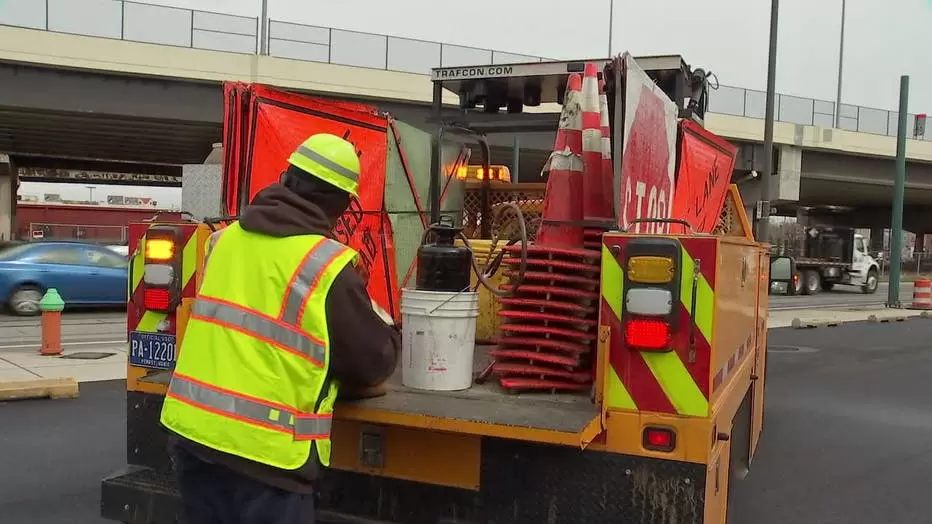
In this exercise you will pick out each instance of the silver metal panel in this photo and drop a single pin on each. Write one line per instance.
(201, 190)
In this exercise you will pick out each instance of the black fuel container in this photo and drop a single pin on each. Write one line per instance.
(441, 265)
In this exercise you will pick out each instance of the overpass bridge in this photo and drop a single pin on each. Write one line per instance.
(139, 86)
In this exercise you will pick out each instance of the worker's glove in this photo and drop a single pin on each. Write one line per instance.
(382, 313)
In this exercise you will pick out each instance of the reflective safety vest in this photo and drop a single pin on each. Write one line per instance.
(252, 377)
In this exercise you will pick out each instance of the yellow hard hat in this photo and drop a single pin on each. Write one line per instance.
(331, 159)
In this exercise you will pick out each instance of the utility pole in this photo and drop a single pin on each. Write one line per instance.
(763, 223)
(611, 19)
(264, 29)
(841, 64)
(899, 190)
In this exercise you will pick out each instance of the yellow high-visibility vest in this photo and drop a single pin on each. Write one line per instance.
(252, 377)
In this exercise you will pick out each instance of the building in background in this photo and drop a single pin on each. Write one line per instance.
(55, 218)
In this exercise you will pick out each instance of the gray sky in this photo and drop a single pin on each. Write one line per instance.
(883, 40)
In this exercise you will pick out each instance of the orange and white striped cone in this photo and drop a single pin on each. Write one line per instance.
(922, 294)
(562, 214)
(608, 176)
(595, 206)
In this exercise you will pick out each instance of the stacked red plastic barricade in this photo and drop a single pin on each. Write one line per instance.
(547, 337)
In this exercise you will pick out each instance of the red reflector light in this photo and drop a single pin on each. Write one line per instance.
(157, 299)
(659, 439)
(647, 333)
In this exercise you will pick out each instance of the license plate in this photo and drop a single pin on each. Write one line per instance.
(152, 350)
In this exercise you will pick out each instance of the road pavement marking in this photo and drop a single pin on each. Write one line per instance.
(83, 343)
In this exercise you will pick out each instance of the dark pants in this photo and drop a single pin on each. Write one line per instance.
(213, 494)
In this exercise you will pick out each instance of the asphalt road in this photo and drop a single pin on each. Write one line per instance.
(53, 454)
(847, 428)
(841, 296)
(846, 439)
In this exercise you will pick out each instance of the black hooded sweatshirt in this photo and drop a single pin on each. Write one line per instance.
(363, 349)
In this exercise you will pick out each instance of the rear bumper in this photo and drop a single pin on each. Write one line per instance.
(522, 483)
(138, 495)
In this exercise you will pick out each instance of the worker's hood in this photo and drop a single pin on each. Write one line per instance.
(279, 212)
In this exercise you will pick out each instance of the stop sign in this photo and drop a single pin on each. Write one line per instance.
(647, 169)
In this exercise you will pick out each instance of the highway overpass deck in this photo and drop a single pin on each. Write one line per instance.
(125, 37)
(140, 83)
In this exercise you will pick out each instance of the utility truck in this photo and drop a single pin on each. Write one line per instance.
(670, 408)
(830, 256)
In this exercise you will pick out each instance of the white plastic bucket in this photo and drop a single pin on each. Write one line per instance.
(438, 336)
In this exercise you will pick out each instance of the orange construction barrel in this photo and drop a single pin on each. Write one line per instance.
(922, 294)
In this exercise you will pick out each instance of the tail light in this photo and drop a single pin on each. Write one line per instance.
(657, 438)
(647, 334)
(162, 269)
(652, 287)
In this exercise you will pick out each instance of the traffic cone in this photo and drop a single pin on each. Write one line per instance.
(562, 214)
(608, 168)
(596, 207)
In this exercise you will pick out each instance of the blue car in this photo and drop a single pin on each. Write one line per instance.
(84, 275)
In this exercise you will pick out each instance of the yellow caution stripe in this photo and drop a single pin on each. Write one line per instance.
(616, 395)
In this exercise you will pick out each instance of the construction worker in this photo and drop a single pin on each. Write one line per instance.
(281, 322)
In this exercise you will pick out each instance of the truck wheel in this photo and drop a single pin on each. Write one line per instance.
(812, 282)
(870, 286)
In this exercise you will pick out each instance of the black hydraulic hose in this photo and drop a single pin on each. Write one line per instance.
(493, 263)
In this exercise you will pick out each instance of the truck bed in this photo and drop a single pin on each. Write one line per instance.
(485, 404)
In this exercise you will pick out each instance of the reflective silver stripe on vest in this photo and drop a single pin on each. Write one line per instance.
(310, 428)
(312, 267)
(260, 326)
(303, 428)
(330, 164)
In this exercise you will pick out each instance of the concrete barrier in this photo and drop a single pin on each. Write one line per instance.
(808, 319)
(54, 388)
(798, 323)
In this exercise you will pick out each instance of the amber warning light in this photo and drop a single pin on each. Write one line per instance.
(495, 173)
(160, 249)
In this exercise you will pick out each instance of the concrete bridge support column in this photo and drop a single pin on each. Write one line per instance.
(784, 186)
(7, 198)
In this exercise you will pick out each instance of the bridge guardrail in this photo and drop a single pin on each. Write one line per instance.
(174, 26)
